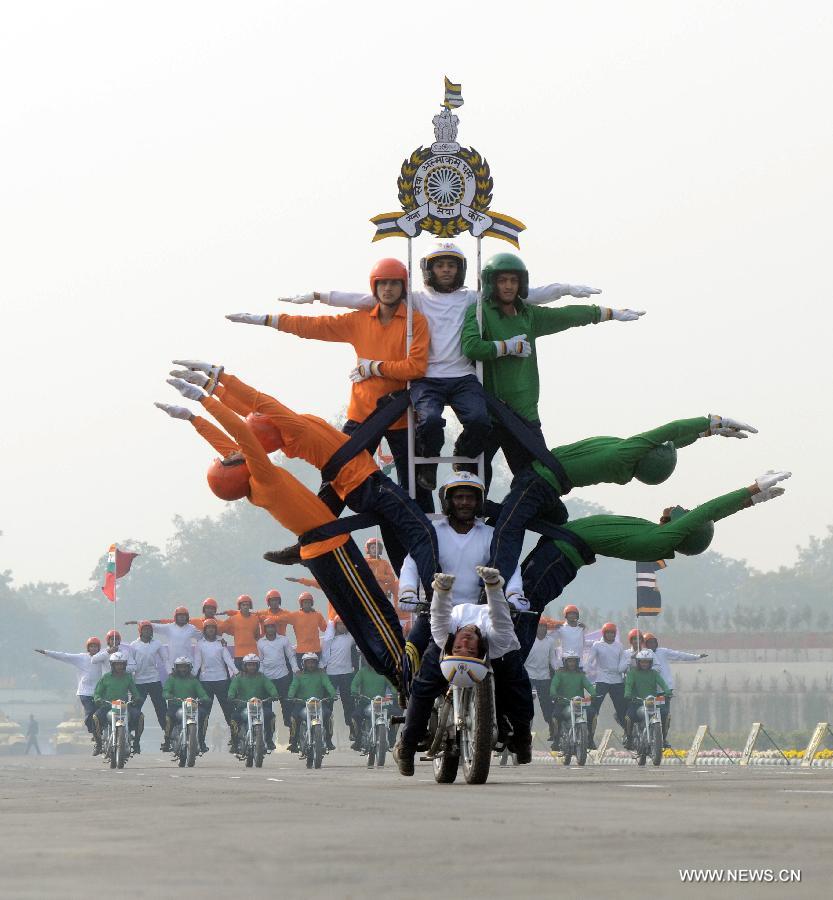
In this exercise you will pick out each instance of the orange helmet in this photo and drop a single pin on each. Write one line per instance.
(181, 611)
(273, 595)
(648, 636)
(373, 542)
(144, 624)
(112, 633)
(306, 595)
(209, 602)
(212, 622)
(265, 430)
(229, 481)
(92, 640)
(570, 609)
(608, 626)
(270, 620)
(635, 633)
(244, 598)
(388, 269)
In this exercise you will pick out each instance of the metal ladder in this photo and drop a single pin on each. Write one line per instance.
(413, 459)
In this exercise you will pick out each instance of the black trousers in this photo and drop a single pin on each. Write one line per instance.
(218, 689)
(282, 687)
(518, 457)
(89, 708)
(617, 696)
(367, 613)
(542, 688)
(154, 691)
(342, 684)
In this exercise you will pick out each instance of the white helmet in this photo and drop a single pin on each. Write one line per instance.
(251, 658)
(307, 656)
(570, 654)
(118, 657)
(183, 661)
(463, 671)
(440, 249)
(461, 479)
(645, 654)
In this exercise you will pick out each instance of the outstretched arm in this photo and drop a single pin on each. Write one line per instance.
(442, 605)
(549, 292)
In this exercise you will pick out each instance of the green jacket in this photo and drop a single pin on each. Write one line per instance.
(311, 684)
(566, 685)
(367, 683)
(510, 378)
(640, 683)
(244, 687)
(624, 537)
(178, 688)
(116, 687)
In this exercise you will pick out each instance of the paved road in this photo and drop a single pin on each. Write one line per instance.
(219, 830)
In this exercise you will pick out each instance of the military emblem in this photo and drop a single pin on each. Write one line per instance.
(446, 189)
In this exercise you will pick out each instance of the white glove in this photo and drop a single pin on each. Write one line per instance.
(581, 290)
(442, 582)
(728, 427)
(270, 319)
(366, 368)
(175, 412)
(621, 315)
(192, 392)
(768, 494)
(514, 346)
(490, 576)
(304, 298)
(198, 365)
(207, 382)
(771, 478)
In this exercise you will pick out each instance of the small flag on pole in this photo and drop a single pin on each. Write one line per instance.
(118, 564)
(453, 95)
(648, 597)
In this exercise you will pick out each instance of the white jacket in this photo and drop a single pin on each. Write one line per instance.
(445, 314)
(89, 671)
(277, 657)
(541, 658)
(459, 554)
(493, 618)
(610, 661)
(212, 661)
(149, 661)
(179, 638)
(571, 637)
(662, 658)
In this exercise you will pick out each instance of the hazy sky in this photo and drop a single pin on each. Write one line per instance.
(167, 163)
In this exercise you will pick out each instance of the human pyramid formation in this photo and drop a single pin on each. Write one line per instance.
(457, 558)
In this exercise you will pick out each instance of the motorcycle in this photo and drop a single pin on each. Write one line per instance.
(311, 738)
(574, 740)
(116, 739)
(251, 745)
(375, 730)
(463, 726)
(649, 734)
(185, 733)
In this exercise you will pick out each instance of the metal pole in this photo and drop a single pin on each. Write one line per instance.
(408, 339)
(115, 580)
(481, 463)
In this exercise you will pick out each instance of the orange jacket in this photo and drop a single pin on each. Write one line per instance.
(371, 340)
(307, 626)
(245, 630)
(305, 437)
(271, 487)
(263, 615)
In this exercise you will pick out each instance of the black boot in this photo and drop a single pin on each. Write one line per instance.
(288, 556)
(404, 758)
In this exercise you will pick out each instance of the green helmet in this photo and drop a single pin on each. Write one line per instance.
(503, 262)
(657, 464)
(696, 542)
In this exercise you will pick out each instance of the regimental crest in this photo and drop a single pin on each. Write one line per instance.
(446, 189)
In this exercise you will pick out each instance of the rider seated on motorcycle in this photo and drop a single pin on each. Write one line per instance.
(117, 684)
(311, 681)
(182, 684)
(641, 681)
(568, 682)
(248, 684)
(470, 629)
(366, 685)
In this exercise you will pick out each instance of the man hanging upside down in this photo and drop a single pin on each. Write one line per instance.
(245, 470)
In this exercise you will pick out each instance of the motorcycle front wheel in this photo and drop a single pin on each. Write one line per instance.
(642, 749)
(120, 747)
(191, 745)
(581, 744)
(259, 749)
(476, 740)
(381, 744)
(656, 743)
(317, 746)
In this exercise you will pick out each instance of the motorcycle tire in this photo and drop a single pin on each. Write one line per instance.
(250, 753)
(308, 757)
(381, 744)
(446, 764)
(642, 751)
(581, 744)
(565, 746)
(656, 743)
(110, 750)
(192, 748)
(371, 751)
(259, 750)
(120, 747)
(476, 750)
(317, 746)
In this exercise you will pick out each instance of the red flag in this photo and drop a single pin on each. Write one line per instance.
(118, 564)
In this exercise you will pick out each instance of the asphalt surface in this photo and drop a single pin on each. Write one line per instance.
(72, 828)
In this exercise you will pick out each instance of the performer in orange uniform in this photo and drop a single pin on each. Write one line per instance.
(246, 471)
(308, 624)
(244, 628)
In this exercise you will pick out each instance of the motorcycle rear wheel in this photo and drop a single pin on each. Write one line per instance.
(476, 743)
(446, 764)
